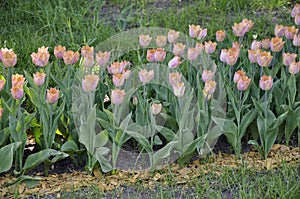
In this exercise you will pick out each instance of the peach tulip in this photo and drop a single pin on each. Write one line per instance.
(239, 29)
(199, 47)
(146, 76)
(179, 89)
(87, 51)
(41, 58)
(59, 51)
(279, 30)
(220, 35)
(102, 58)
(173, 36)
(174, 78)
(252, 55)
(238, 75)
(117, 96)
(52, 95)
(209, 89)
(243, 83)
(8, 57)
(117, 67)
(39, 78)
(160, 55)
(288, 58)
(290, 31)
(202, 33)
(17, 92)
(70, 57)
(207, 75)
(294, 67)
(174, 62)
(118, 79)
(296, 40)
(265, 82)
(194, 30)
(264, 58)
(89, 83)
(210, 47)
(161, 40)
(88, 61)
(17, 80)
(265, 43)
(192, 54)
(178, 49)
(296, 10)
(156, 108)
(145, 40)
(276, 44)
(256, 45)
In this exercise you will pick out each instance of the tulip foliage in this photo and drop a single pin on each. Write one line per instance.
(172, 102)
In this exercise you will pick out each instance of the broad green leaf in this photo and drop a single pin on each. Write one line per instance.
(7, 155)
(101, 139)
(246, 121)
(39, 157)
(161, 154)
(168, 134)
(69, 146)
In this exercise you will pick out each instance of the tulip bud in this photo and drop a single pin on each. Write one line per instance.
(39, 78)
(41, 58)
(156, 108)
(135, 100)
(59, 51)
(52, 95)
(117, 96)
(265, 82)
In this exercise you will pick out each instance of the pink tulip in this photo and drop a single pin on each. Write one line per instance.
(8, 57)
(252, 55)
(179, 89)
(145, 40)
(174, 62)
(102, 58)
(288, 58)
(202, 33)
(296, 40)
(88, 61)
(265, 82)
(294, 68)
(295, 10)
(151, 55)
(174, 78)
(178, 49)
(238, 75)
(117, 96)
(52, 95)
(207, 75)
(117, 67)
(59, 51)
(209, 89)
(279, 30)
(173, 36)
(194, 30)
(276, 44)
(118, 79)
(161, 40)
(265, 43)
(17, 92)
(160, 55)
(156, 108)
(1, 112)
(146, 76)
(243, 83)
(256, 45)
(220, 35)
(70, 57)
(87, 51)
(90, 82)
(41, 58)
(210, 47)
(39, 78)
(192, 54)
(17, 80)
(290, 31)
(264, 58)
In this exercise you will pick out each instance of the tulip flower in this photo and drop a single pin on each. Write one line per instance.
(296, 40)
(265, 82)
(279, 30)
(146, 76)
(264, 58)
(290, 31)
(161, 40)
(178, 49)
(297, 19)
(252, 55)
(151, 55)
(87, 51)
(70, 57)
(192, 54)
(210, 47)
(174, 78)
(17, 92)
(223, 55)
(145, 40)
(238, 75)
(294, 67)
(296, 10)
(265, 43)
(41, 58)
(199, 47)
(90, 82)
(248, 24)
(243, 83)
(117, 96)
(135, 100)
(126, 73)
(39, 78)
(202, 33)
(209, 89)
(179, 89)
(194, 30)
(8, 57)
(118, 79)
(59, 51)
(236, 45)
(256, 45)
(17, 80)
(207, 75)
(173, 36)
(102, 58)
(232, 56)
(88, 61)
(174, 62)
(220, 35)
(156, 108)
(276, 44)
(239, 29)
(2, 83)
(160, 55)
(288, 58)
(117, 67)
(52, 95)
